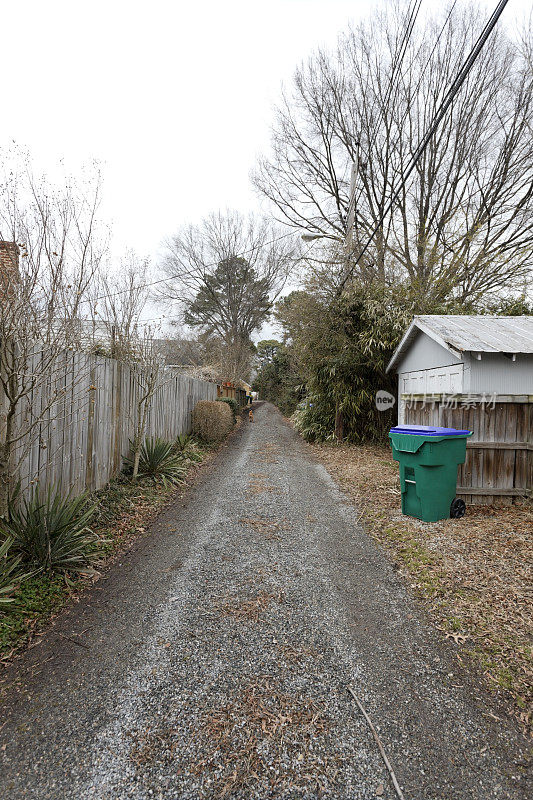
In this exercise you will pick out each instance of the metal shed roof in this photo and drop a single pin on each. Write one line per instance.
(479, 334)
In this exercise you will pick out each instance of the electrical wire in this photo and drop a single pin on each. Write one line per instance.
(353, 199)
(172, 277)
(411, 15)
(445, 104)
(422, 73)
(162, 317)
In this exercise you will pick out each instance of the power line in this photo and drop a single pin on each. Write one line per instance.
(445, 104)
(169, 318)
(172, 277)
(419, 82)
(411, 16)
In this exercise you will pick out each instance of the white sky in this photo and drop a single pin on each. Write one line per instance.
(174, 98)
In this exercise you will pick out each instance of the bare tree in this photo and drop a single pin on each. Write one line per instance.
(146, 357)
(223, 276)
(122, 299)
(181, 349)
(463, 224)
(50, 251)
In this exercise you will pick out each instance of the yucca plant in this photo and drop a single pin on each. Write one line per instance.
(182, 442)
(186, 447)
(159, 461)
(51, 533)
(10, 574)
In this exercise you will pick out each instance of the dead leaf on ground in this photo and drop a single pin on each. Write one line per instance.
(473, 574)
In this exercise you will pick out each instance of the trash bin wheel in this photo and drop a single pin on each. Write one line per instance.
(457, 508)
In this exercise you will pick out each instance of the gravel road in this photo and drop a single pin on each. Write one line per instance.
(213, 659)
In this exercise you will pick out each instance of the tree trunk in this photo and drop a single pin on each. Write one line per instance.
(7, 402)
(136, 459)
(4, 484)
(339, 424)
(142, 410)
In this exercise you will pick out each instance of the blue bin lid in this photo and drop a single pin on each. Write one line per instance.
(428, 430)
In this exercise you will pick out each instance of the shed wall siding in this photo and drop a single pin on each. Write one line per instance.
(425, 353)
(439, 380)
(497, 373)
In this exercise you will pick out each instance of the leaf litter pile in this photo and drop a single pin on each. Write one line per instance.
(474, 574)
(270, 529)
(269, 734)
(268, 452)
(266, 736)
(258, 485)
(249, 608)
(261, 737)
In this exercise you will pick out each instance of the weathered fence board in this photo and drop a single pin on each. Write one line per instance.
(82, 416)
(499, 455)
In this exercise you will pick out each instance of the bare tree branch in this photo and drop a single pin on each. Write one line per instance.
(464, 223)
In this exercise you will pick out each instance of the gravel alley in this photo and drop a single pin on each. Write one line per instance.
(214, 659)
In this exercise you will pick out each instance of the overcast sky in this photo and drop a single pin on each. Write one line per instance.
(174, 98)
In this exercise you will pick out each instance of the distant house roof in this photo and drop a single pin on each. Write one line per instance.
(478, 334)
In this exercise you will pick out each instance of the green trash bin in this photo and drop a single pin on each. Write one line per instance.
(428, 459)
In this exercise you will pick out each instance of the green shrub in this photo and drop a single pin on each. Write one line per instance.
(232, 403)
(341, 348)
(182, 442)
(159, 461)
(51, 534)
(312, 419)
(187, 448)
(212, 421)
(10, 574)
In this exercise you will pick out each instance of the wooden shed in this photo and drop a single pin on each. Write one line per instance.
(475, 373)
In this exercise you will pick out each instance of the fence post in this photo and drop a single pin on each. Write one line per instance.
(89, 475)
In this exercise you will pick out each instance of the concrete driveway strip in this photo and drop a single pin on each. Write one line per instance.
(214, 659)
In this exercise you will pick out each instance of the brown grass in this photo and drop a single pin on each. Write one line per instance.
(474, 574)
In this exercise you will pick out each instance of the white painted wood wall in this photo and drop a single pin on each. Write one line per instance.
(438, 380)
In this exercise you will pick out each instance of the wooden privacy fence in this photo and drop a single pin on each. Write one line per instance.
(82, 414)
(499, 455)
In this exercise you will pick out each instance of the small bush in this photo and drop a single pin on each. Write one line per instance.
(159, 461)
(232, 403)
(51, 534)
(212, 421)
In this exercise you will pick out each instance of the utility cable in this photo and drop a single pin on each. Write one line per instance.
(411, 15)
(445, 104)
(172, 277)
